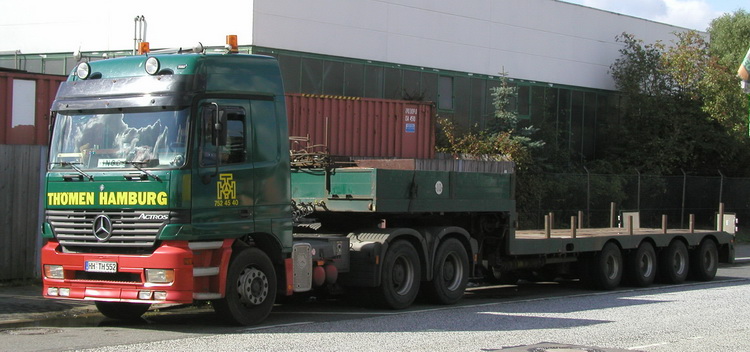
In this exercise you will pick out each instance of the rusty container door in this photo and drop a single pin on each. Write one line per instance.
(363, 127)
(25, 100)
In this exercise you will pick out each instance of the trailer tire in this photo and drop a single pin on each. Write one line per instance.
(450, 273)
(641, 265)
(607, 270)
(704, 261)
(122, 310)
(401, 273)
(674, 263)
(250, 288)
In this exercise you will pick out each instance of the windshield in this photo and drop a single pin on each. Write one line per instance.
(118, 140)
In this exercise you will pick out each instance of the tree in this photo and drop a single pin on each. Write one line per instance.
(681, 110)
(502, 140)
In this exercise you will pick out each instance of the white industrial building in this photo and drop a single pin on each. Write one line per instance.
(449, 52)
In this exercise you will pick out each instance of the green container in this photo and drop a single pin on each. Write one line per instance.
(402, 191)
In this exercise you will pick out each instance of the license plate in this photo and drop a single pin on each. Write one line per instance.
(101, 267)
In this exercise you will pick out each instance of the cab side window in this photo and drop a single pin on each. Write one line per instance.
(232, 148)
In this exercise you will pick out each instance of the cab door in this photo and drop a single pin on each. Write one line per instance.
(222, 186)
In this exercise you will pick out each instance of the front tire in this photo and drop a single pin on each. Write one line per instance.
(450, 273)
(401, 273)
(250, 288)
(122, 310)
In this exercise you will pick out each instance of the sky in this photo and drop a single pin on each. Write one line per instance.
(693, 14)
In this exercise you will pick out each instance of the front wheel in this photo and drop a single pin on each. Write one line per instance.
(401, 273)
(250, 288)
(450, 273)
(122, 310)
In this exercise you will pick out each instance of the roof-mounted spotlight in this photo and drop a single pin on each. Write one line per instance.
(83, 70)
(152, 65)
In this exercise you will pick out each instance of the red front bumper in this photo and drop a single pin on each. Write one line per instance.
(130, 278)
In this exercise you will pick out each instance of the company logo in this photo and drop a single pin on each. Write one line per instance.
(226, 191)
(102, 228)
(153, 217)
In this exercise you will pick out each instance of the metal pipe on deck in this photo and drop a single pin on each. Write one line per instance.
(573, 227)
(630, 224)
(580, 219)
(612, 214)
(692, 223)
(664, 223)
(547, 230)
(721, 217)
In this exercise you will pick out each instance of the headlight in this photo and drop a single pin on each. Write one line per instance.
(160, 276)
(54, 271)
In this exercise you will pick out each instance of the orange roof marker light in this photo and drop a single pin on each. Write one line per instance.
(143, 48)
(232, 44)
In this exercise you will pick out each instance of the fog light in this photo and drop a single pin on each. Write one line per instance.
(160, 276)
(54, 271)
(52, 291)
(64, 292)
(160, 295)
(144, 294)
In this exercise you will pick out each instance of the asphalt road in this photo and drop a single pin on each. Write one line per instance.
(689, 317)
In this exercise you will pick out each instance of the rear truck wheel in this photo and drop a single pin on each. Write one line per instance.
(450, 273)
(607, 268)
(673, 263)
(641, 265)
(251, 288)
(400, 276)
(704, 261)
(122, 310)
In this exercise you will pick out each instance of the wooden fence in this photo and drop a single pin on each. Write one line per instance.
(21, 175)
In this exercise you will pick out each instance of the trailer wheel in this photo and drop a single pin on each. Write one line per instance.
(673, 263)
(122, 310)
(607, 267)
(641, 265)
(401, 274)
(250, 290)
(705, 261)
(450, 273)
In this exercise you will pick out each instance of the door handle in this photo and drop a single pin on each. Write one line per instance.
(245, 213)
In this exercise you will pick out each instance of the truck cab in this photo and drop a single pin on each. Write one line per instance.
(158, 166)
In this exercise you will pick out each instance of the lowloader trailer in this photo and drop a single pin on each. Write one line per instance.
(169, 182)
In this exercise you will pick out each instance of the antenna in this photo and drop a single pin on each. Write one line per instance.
(139, 32)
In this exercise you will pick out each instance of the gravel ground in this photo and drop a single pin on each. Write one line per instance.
(698, 317)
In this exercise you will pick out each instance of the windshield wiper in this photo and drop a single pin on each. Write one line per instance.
(73, 165)
(137, 165)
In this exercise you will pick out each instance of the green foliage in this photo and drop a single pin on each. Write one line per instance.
(683, 108)
(502, 140)
(730, 38)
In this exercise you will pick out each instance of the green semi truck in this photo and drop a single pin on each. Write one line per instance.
(169, 182)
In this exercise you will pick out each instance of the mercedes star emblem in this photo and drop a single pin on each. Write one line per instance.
(102, 228)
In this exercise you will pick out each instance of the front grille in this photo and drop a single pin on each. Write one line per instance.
(130, 228)
(108, 277)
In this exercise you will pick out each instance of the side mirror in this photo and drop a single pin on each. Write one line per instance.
(215, 120)
(220, 131)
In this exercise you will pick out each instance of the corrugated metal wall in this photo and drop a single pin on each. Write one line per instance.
(363, 126)
(25, 100)
(20, 209)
